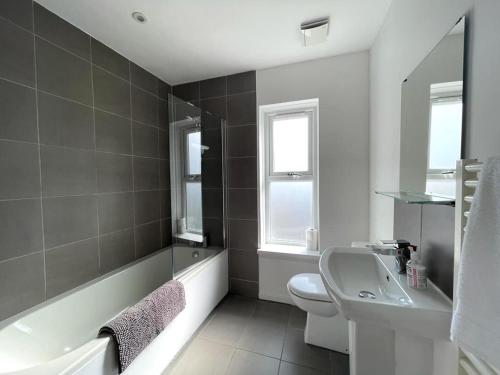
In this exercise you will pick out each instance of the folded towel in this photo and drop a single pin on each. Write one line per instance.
(476, 319)
(137, 326)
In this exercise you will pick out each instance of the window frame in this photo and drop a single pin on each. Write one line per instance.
(268, 114)
(186, 176)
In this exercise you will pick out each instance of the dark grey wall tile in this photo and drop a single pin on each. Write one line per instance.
(144, 107)
(146, 174)
(19, 170)
(212, 173)
(213, 139)
(18, 11)
(437, 245)
(143, 79)
(241, 82)
(407, 221)
(187, 91)
(166, 233)
(112, 133)
(116, 250)
(244, 288)
(110, 60)
(21, 284)
(241, 109)
(163, 114)
(242, 204)
(164, 174)
(216, 106)
(18, 109)
(212, 202)
(164, 149)
(62, 73)
(145, 140)
(58, 31)
(116, 212)
(114, 173)
(211, 121)
(214, 230)
(19, 63)
(20, 227)
(165, 204)
(111, 94)
(242, 141)
(164, 89)
(147, 239)
(210, 88)
(243, 234)
(69, 219)
(70, 266)
(147, 208)
(182, 110)
(67, 171)
(65, 123)
(244, 265)
(242, 172)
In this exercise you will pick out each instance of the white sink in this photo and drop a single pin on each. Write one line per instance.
(348, 271)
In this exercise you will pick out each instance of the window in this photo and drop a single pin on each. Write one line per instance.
(445, 137)
(288, 166)
(192, 180)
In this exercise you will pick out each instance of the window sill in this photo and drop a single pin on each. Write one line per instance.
(288, 252)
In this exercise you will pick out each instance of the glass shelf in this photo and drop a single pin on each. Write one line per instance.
(418, 198)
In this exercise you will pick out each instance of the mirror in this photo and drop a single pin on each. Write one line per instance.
(432, 119)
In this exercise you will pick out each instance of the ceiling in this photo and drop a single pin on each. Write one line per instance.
(189, 40)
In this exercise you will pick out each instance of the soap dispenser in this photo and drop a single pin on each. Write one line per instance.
(416, 273)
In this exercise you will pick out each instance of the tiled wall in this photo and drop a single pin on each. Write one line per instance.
(431, 228)
(234, 98)
(83, 158)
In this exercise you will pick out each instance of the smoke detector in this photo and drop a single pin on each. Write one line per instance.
(316, 31)
(139, 17)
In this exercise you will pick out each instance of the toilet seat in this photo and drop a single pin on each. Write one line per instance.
(309, 286)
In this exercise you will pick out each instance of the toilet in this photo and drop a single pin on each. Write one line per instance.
(325, 327)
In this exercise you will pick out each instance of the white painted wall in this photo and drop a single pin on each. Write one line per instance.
(410, 31)
(342, 85)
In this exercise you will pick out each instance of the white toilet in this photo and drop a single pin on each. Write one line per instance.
(325, 327)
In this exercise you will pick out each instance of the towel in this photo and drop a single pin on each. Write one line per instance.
(476, 319)
(137, 326)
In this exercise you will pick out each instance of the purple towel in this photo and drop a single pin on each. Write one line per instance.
(137, 326)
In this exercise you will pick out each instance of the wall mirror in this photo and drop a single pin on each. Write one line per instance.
(432, 116)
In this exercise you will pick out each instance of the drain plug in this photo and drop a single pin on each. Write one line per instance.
(366, 294)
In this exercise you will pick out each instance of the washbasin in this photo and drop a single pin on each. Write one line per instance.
(366, 288)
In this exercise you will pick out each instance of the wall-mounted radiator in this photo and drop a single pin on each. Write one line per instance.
(467, 180)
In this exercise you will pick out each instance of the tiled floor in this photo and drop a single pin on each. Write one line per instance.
(249, 337)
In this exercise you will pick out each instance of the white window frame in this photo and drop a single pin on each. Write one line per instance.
(268, 113)
(186, 176)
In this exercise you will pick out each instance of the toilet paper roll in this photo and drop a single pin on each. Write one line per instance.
(311, 239)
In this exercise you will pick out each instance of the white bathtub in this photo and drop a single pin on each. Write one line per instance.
(59, 336)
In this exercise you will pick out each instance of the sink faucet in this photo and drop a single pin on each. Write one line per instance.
(400, 249)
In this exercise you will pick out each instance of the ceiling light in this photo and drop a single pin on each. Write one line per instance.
(316, 31)
(139, 17)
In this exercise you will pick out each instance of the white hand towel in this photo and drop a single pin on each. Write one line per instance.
(476, 320)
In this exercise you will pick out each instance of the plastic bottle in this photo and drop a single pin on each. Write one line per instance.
(416, 273)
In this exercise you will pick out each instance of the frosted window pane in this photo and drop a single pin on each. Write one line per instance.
(291, 144)
(193, 207)
(445, 135)
(291, 210)
(194, 153)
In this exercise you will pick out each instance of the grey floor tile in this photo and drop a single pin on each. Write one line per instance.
(203, 357)
(272, 311)
(263, 336)
(291, 369)
(297, 318)
(246, 363)
(237, 305)
(298, 352)
(225, 329)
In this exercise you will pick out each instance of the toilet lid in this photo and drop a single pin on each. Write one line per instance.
(309, 286)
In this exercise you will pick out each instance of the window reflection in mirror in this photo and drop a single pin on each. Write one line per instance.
(432, 119)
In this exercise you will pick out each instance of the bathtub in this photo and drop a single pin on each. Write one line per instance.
(60, 336)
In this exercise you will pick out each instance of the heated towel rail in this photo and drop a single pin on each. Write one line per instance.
(467, 180)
